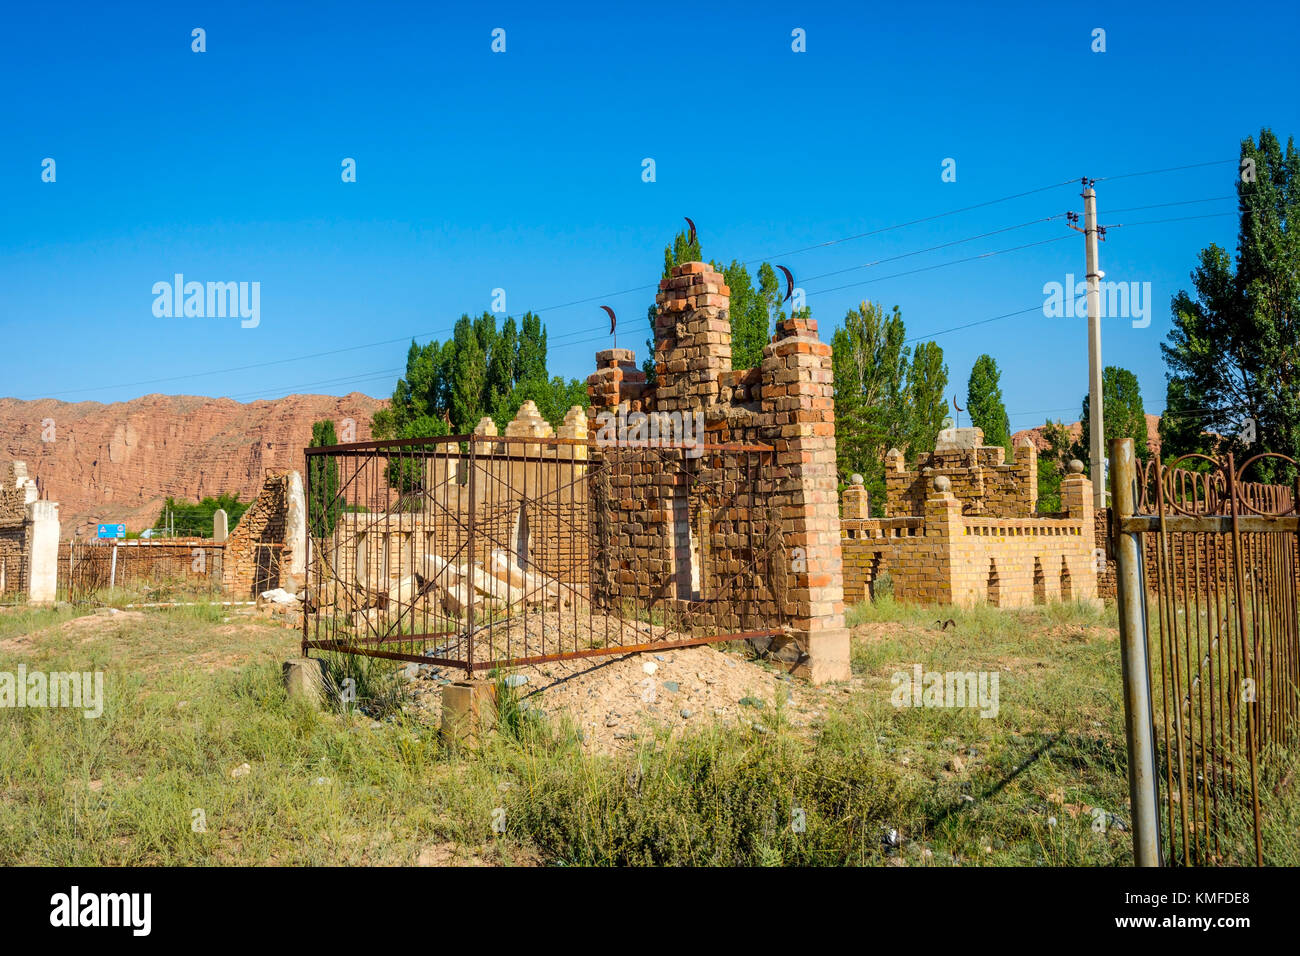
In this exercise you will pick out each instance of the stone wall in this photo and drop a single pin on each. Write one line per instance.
(13, 528)
(1106, 586)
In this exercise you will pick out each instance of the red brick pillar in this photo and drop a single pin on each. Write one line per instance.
(616, 380)
(799, 417)
(692, 337)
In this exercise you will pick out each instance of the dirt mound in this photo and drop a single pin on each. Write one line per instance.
(615, 701)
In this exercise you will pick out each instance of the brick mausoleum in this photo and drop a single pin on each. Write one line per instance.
(961, 528)
(787, 404)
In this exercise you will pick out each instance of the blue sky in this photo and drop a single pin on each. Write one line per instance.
(522, 171)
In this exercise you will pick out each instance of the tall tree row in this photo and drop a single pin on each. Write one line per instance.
(323, 482)
(1122, 416)
(886, 394)
(481, 370)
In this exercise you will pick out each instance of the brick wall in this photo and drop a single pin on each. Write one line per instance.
(254, 553)
(786, 404)
(16, 490)
(950, 554)
(985, 483)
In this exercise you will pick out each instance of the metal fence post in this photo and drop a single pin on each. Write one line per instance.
(1138, 725)
(471, 544)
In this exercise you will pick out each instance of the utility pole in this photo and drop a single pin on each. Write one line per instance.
(1092, 233)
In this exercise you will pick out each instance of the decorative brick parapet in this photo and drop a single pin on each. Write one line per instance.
(946, 556)
(984, 482)
(1076, 493)
(615, 381)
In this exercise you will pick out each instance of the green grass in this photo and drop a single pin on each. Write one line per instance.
(195, 693)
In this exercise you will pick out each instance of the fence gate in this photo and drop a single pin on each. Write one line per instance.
(1212, 693)
(481, 551)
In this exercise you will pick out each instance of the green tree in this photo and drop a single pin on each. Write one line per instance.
(751, 310)
(1123, 415)
(681, 250)
(926, 407)
(323, 504)
(478, 371)
(1052, 463)
(984, 403)
(468, 377)
(1181, 425)
(869, 364)
(886, 395)
(193, 519)
(531, 361)
(1232, 352)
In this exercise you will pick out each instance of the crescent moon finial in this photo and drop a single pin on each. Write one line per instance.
(789, 283)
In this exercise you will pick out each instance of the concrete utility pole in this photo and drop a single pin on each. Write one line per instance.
(1096, 431)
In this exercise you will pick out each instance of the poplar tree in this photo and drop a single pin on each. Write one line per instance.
(1231, 356)
(984, 403)
(1122, 413)
(323, 482)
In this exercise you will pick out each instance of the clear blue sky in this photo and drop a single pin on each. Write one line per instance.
(522, 170)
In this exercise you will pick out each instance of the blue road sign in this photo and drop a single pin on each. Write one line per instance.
(112, 531)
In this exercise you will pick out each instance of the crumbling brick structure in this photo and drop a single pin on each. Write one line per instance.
(987, 485)
(267, 549)
(29, 538)
(961, 529)
(786, 404)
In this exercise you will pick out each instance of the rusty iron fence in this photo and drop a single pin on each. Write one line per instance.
(481, 551)
(1212, 693)
(161, 569)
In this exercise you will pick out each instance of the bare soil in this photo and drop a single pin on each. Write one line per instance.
(615, 701)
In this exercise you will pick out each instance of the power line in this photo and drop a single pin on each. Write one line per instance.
(644, 288)
(1162, 205)
(1169, 169)
(945, 245)
(961, 261)
(1152, 222)
(350, 379)
(549, 308)
(968, 325)
(941, 265)
(867, 265)
(236, 368)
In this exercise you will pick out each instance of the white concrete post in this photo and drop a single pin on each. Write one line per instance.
(295, 533)
(43, 556)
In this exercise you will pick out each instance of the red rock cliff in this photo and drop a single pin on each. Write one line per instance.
(117, 463)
